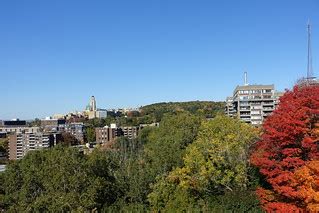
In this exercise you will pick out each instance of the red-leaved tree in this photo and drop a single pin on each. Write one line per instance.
(290, 140)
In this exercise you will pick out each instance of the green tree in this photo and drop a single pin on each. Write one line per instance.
(166, 145)
(59, 180)
(35, 122)
(208, 109)
(4, 143)
(90, 134)
(215, 163)
(69, 140)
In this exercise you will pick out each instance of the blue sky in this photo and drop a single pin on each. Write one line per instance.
(55, 54)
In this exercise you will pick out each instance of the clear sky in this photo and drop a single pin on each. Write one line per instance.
(55, 54)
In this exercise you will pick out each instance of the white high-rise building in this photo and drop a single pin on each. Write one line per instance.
(93, 111)
(92, 104)
(252, 103)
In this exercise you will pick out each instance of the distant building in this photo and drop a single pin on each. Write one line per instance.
(308, 82)
(130, 132)
(16, 126)
(149, 125)
(252, 103)
(13, 123)
(92, 105)
(19, 129)
(21, 143)
(114, 113)
(107, 134)
(93, 112)
(50, 124)
(58, 116)
(100, 113)
(77, 130)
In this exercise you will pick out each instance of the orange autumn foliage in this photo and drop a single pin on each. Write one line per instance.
(307, 185)
(290, 141)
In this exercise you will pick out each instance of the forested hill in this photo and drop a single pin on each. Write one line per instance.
(204, 108)
(156, 112)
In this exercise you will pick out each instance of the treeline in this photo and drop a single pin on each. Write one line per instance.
(207, 109)
(186, 164)
(155, 113)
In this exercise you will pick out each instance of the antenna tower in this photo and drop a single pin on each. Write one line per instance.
(245, 79)
(309, 64)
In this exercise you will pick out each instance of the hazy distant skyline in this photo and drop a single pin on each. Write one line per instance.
(55, 54)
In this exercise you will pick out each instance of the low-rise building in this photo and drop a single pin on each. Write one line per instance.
(149, 125)
(107, 134)
(131, 132)
(13, 123)
(16, 126)
(76, 129)
(99, 113)
(50, 124)
(21, 143)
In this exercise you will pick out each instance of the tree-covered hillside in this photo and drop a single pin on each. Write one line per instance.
(207, 109)
(155, 112)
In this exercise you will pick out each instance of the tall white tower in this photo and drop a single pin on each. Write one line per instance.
(92, 104)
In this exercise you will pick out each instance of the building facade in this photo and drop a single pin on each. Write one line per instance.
(50, 124)
(21, 143)
(107, 134)
(252, 103)
(131, 132)
(93, 112)
(16, 126)
(76, 129)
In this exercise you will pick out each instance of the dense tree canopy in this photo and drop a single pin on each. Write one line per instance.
(56, 180)
(167, 143)
(215, 163)
(288, 145)
(208, 109)
(186, 164)
(69, 140)
(156, 112)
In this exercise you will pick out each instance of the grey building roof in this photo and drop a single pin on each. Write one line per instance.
(254, 86)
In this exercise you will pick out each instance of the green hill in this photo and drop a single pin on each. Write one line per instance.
(203, 108)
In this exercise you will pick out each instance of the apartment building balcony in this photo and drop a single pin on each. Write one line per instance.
(268, 108)
(245, 119)
(244, 116)
(267, 103)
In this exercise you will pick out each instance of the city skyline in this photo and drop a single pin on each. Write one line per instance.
(55, 56)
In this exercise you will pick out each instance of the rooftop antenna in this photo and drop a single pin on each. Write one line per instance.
(309, 64)
(245, 79)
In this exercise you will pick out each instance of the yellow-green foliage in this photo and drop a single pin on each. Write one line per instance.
(216, 162)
